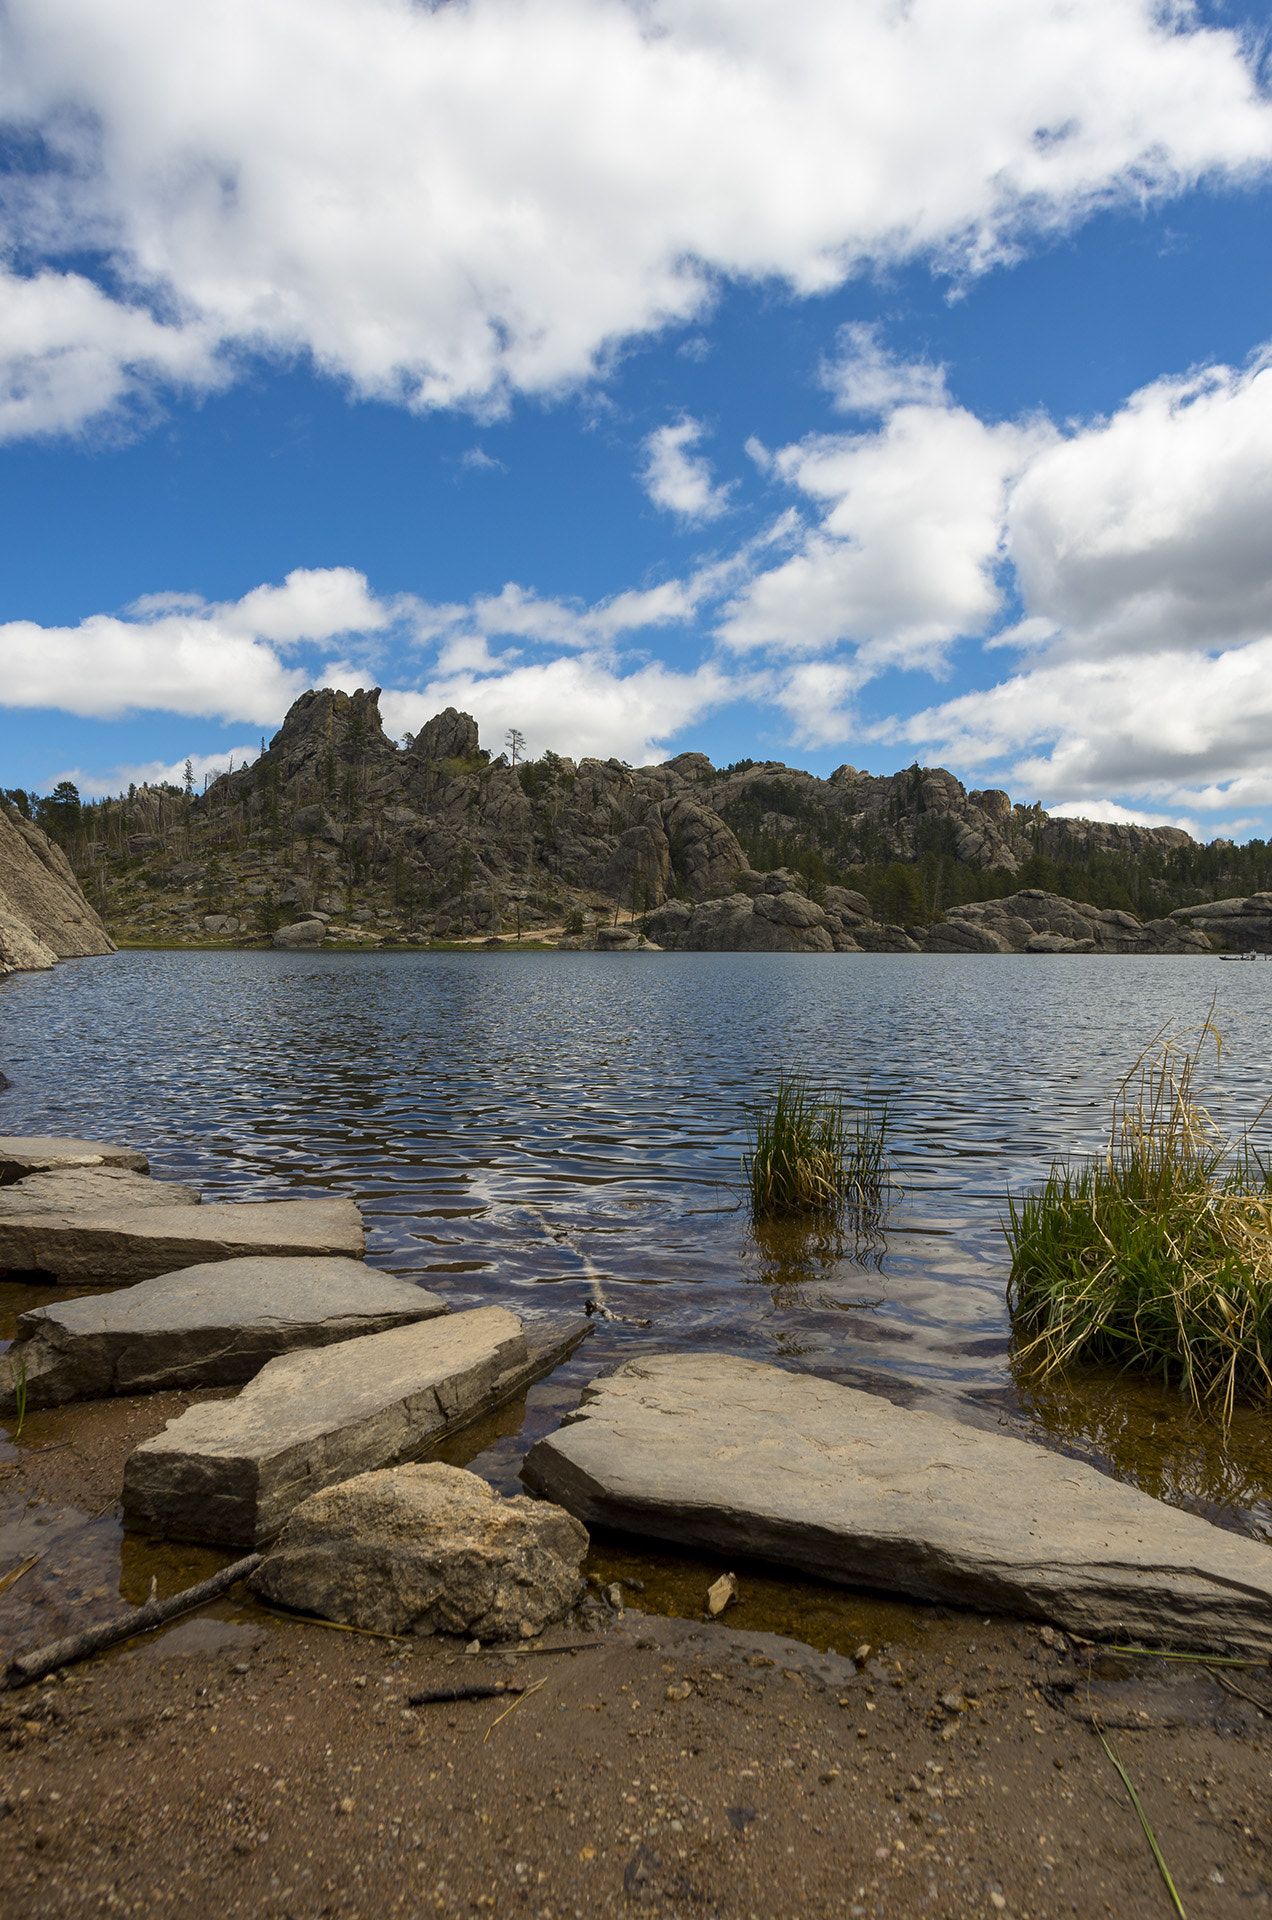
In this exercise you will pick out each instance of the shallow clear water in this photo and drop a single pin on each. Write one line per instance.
(545, 1129)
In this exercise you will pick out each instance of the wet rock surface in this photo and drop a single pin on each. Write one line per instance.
(210, 1325)
(233, 1472)
(728, 1454)
(111, 1246)
(427, 1549)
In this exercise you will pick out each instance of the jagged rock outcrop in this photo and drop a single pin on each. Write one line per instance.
(773, 913)
(44, 916)
(434, 839)
(1036, 922)
(1240, 926)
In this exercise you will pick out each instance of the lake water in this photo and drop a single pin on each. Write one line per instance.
(547, 1129)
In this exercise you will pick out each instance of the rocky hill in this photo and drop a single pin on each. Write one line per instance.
(435, 839)
(44, 917)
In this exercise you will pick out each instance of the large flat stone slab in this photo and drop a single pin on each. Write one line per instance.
(710, 1451)
(115, 1245)
(231, 1471)
(213, 1325)
(90, 1190)
(35, 1153)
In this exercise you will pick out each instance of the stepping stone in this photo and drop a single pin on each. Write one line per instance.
(231, 1471)
(707, 1451)
(37, 1153)
(207, 1326)
(90, 1189)
(117, 1244)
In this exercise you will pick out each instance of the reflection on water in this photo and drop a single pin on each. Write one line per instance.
(553, 1129)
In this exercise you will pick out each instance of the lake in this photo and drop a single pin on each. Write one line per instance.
(546, 1129)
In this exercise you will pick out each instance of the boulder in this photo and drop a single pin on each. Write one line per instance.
(119, 1244)
(233, 1471)
(427, 1549)
(302, 933)
(220, 924)
(37, 1153)
(206, 1326)
(75, 1189)
(725, 1454)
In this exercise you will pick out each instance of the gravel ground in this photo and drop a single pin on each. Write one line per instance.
(242, 1762)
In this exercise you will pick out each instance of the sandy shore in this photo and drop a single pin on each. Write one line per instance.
(239, 1761)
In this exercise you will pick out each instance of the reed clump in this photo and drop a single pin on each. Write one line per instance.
(1156, 1254)
(808, 1156)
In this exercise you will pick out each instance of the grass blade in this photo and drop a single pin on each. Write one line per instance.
(1149, 1835)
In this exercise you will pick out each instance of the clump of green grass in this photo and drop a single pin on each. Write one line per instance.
(1157, 1254)
(807, 1156)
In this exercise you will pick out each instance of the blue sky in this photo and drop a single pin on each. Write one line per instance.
(823, 382)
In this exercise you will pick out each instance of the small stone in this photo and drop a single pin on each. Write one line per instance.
(862, 1655)
(722, 1593)
(345, 1806)
(680, 1690)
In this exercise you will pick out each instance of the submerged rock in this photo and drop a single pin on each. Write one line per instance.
(232, 1471)
(109, 1246)
(713, 1452)
(204, 1326)
(427, 1549)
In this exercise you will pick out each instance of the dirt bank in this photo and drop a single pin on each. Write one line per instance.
(241, 1762)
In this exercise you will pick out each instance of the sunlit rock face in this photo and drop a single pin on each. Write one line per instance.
(44, 916)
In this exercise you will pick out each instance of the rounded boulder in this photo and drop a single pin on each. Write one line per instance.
(427, 1549)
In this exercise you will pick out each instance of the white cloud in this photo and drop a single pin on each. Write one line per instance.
(443, 204)
(576, 704)
(204, 767)
(1152, 528)
(679, 480)
(866, 378)
(184, 656)
(1110, 812)
(904, 557)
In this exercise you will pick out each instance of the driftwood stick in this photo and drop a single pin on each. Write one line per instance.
(77, 1646)
(512, 1650)
(436, 1696)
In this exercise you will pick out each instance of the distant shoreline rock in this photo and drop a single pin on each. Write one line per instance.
(44, 916)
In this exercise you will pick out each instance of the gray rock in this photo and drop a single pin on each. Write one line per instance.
(119, 1244)
(708, 1451)
(302, 933)
(232, 1471)
(206, 1326)
(37, 1153)
(788, 910)
(44, 916)
(427, 1549)
(220, 923)
(77, 1189)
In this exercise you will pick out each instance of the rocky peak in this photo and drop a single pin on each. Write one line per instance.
(449, 735)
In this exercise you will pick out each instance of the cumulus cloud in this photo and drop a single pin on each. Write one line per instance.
(866, 378)
(904, 556)
(678, 479)
(444, 204)
(576, 704)
(187, 656)
(92, 782)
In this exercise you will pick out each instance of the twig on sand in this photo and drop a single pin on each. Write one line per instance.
(77, 1646)
(525, 1695)
(1149, 1835)
(1230, 1686)
(316, 1620)
(14, 1574)
(511, 1650)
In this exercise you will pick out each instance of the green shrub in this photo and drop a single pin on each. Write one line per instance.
(806, 1155)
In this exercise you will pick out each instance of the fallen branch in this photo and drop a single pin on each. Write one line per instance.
(511, 1649)
(437, 1696)
(1230, 1686)
(77, 1646)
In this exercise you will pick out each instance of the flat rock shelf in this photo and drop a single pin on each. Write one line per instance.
(232, 1471)
(90, 1190)
(21, 1154)
(707, 1451)
(211, 1325)
(117, 1244)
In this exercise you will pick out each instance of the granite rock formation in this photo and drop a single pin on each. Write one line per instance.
(435, 839)
(44, 916)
